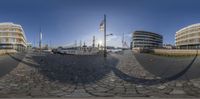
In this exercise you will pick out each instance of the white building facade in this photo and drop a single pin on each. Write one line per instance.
(12, 36)
(188, 37)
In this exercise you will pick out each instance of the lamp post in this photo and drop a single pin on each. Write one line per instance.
(105, 55)
(109, 34)
(105, 35)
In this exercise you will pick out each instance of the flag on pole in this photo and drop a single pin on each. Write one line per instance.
(102, 26)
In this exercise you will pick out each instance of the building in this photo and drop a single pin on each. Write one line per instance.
(12, 36)
(147, 40)
(168, 46)
(188, 37)
(131, 45)
(29, 46)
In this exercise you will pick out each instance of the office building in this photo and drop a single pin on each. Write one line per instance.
(12, 36)
(148, 40)
(188, 37)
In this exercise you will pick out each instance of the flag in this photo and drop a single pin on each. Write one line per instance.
(102, 26)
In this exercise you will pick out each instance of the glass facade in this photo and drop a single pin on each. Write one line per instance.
(144, 39)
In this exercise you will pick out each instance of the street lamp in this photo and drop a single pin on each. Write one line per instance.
(109, 34)
(105, 50)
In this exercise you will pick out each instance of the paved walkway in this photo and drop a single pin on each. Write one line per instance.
(7, 63)
(50, 75)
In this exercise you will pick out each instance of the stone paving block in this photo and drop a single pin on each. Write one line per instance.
(178, 91)
(35, 92)
(33, 83)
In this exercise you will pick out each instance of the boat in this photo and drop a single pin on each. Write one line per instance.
(78, 51)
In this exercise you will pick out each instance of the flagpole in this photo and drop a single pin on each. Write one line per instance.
(40, 40)
(105, 55)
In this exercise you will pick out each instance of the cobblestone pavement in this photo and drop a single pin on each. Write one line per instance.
(50, 75)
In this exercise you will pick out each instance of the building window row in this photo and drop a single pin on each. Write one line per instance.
(10, 29)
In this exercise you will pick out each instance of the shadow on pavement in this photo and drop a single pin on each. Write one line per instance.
(8, 63)
(75, 69)
(72, 69)
(141, 81)
(87, 69)
(164, 66)
(21, 60)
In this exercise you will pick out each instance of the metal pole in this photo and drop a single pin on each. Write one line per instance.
(93, 45)
(40, 40)
(80, 43)
(122, 39)
(105, 55)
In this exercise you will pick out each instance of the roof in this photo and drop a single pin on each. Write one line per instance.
(190, 26)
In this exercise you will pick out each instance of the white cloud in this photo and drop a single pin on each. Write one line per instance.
(114, 40)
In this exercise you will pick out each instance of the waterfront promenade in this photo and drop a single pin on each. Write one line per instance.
(122, 74)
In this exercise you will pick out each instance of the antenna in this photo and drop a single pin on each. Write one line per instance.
(93, 45)
(84, 43)
(75, 43)
(80, 43)
(40, 39)
(123, 40)
(124, 44)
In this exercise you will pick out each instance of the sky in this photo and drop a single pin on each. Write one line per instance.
(63, 22)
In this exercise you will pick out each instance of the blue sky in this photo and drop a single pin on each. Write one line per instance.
(64, 21)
